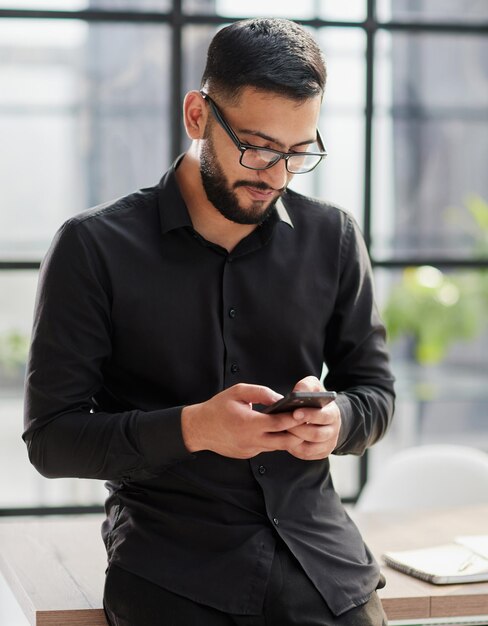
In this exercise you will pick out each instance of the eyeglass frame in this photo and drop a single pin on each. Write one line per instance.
(242, 147)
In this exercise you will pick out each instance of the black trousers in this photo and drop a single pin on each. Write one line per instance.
(291, 600)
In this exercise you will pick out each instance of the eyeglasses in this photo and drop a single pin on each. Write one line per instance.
(256, 158)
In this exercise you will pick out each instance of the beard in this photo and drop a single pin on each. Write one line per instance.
(224, 197)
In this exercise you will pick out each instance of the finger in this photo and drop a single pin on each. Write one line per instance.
(255, 394)
(309, 383)
(284, 440)
(278, 422)
(325, 415)
(314, 434)
(311, 451)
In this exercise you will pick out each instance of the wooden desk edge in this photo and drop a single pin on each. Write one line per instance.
(406, 608)
(75, 617)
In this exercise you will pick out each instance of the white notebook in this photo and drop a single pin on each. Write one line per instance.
(476, 543)
(463, 561)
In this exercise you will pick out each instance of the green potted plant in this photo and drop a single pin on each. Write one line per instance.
(432, 309)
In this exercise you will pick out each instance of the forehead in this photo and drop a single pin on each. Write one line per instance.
(289, 121)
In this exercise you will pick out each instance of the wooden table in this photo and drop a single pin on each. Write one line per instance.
(405, 597)
(55, 566)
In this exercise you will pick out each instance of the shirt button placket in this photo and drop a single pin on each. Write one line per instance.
(232, 366)
(232, 312)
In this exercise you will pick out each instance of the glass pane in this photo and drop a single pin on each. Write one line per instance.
(80, 5)
(432, 10)
(351, 11)
(307, 9)
(17, 293)
(345, 473)
(435, 316)
(49, 5)
(342, 120)
(252, 8)
(438, 335)
(83, 118)
(199, 6)
(431, 146)
(17, 290)
(196, 40)
(133, 5)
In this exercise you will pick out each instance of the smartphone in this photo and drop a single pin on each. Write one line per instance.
(297, 399)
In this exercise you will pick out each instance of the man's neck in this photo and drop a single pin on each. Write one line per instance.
(206, 219)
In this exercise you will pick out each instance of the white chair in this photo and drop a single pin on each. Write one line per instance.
(429, 476)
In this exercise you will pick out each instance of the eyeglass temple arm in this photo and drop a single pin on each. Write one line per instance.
(221, 120)
(320, 141)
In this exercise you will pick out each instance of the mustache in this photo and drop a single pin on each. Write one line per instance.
(257, 185)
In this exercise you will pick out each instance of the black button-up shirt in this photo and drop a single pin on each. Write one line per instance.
(138, 315)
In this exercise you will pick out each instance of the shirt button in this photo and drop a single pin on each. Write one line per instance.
(234, 368)
(232, 313)
(276, 521)
(262, 469)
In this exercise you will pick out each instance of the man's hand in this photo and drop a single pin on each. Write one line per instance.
(228, 425)
(317, 430)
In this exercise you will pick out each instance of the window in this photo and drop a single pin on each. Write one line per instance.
(90, 110)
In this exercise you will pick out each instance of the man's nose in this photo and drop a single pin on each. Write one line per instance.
(276, 176)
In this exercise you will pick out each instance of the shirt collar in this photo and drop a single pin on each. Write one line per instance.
(173, 213)
(283, 213)
(172, 208)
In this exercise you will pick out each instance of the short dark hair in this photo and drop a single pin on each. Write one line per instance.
(272, 54)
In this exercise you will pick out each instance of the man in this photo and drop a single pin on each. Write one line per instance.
(166, 319)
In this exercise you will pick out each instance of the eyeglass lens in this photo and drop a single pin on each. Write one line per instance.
(262, 159)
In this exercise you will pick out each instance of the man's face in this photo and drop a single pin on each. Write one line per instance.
(261, 119)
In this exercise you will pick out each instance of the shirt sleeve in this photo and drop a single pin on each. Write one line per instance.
(355, 352)
(66, 433)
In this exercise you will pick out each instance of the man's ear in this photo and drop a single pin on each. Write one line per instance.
(195, 113)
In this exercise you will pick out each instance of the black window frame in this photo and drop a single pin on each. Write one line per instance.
(177, 19)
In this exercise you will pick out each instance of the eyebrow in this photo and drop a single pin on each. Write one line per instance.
(258, 133)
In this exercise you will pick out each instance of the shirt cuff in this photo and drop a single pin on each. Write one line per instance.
(160, 439)
(345, 407)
